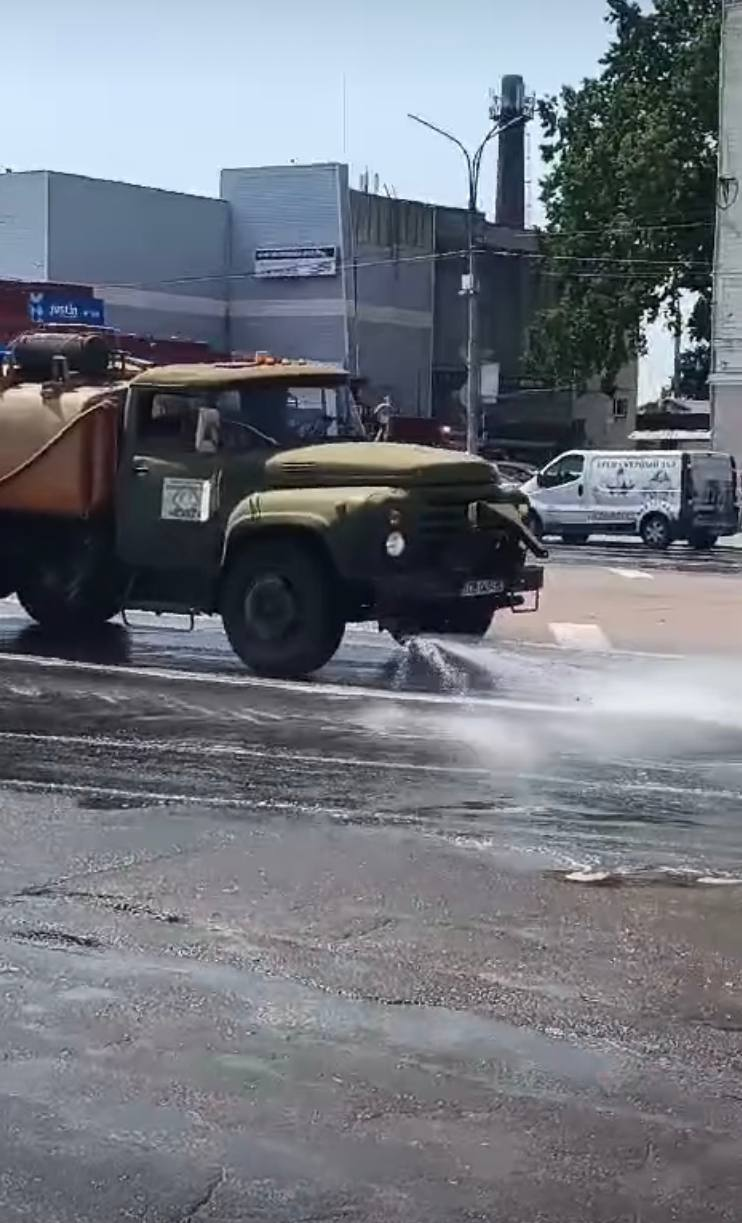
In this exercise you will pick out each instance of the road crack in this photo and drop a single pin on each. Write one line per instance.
(61, 938)
(107, 900)
(200, 1203)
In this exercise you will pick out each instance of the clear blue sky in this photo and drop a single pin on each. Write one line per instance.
(166, 92)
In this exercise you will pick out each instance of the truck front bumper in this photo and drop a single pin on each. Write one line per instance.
(402, 592)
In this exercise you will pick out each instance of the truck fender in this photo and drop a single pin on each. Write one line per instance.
(249, 520)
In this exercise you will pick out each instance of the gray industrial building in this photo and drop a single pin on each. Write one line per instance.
(290, 259)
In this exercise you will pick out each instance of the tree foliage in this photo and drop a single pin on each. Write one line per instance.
(630, 190)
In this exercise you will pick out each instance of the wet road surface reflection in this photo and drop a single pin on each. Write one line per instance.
(585, 763)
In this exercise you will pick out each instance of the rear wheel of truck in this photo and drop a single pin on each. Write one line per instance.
(459, 617)
(77, 587)
(280, 608)
(656, 532)
(702, 540)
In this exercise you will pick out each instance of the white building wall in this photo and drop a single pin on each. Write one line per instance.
(24, 200)
(606, 426)
(726, 376)
(157, 258)
(280, 207)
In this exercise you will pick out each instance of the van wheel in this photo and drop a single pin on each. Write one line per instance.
(655, 531)
(702, 540)
(280, 609)
(575, 537)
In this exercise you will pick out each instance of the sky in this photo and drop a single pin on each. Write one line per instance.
(167, 92)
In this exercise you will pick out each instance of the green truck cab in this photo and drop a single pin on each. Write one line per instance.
(247, 489)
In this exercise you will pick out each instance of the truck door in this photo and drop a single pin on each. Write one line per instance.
(168, 491)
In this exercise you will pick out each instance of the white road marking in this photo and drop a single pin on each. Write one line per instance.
(633, 575)
(580, 636)
(336, 691)
(276, 755)
(22, 785)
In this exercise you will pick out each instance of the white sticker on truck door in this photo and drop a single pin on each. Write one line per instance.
(185, 500)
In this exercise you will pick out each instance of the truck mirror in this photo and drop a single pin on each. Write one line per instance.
(207, 431)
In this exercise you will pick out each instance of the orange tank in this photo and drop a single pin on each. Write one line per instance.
(58, 448)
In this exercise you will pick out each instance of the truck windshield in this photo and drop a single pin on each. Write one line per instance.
(291, 415)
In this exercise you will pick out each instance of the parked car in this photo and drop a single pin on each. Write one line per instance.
(515, 473)
(660, 495)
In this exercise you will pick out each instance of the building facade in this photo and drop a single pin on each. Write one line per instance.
(726, 367)
(290, 260)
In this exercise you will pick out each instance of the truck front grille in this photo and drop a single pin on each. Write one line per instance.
(443, 521)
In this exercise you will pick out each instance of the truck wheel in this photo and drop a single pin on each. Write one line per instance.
(279, 608)
(55, 606)
(702, 540)
(459, 617)
(79, 588)
(655, 531)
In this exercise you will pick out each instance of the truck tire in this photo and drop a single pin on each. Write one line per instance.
(702, 541)
(79, 587)
(280, 609)
(459, 617)
(656, 532)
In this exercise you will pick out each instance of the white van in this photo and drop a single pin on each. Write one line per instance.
(661, 495)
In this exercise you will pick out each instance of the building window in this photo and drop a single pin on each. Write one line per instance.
(620, 407)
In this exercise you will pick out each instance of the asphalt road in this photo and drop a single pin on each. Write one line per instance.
(450, 933)
(725, 558)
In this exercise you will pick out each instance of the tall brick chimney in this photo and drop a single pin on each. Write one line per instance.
(510, 207)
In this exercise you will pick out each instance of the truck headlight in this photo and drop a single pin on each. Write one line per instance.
(395, 544)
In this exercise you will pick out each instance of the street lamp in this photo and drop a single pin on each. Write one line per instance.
(469, 288)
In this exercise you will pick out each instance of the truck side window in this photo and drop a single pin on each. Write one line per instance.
(167, 420)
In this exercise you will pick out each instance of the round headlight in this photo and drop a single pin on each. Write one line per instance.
(395, 544)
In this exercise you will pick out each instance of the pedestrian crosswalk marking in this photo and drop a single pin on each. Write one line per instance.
(633, 574)
(580, 636)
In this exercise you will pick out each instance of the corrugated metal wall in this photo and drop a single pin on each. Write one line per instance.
(282, 206)
(158, 258)
(727, 321)
(23, 213)
(393, 298)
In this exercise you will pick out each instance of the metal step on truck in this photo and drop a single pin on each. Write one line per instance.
(244, 489)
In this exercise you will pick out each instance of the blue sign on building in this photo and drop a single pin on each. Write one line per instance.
(51, 308)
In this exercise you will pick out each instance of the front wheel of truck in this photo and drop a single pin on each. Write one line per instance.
(281, 609)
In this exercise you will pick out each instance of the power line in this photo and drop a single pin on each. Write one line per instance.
(660, 265)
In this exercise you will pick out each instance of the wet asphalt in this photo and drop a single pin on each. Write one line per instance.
(449, 933)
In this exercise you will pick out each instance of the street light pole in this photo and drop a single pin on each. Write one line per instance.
(470, 287)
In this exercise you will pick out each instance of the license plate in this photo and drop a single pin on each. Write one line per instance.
(482, 586)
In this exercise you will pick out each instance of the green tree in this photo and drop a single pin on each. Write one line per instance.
(629, 191)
